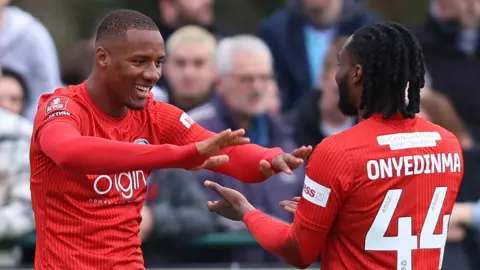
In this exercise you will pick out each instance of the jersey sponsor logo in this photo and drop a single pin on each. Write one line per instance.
(56, 104)
(186, 120)
(59, 113)
(125, 183)
(400, 141)
(413, 165)
(141, 141)
(315, 192)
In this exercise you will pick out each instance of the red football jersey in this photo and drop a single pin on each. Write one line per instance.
(92, 221)
(382, 192)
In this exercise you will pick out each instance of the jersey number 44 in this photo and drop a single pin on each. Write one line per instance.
(404, 243)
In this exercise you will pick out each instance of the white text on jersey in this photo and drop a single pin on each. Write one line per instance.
(413, 165)
(125, 183)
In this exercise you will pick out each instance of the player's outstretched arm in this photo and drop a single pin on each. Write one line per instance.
(249, 163)
(296, 244)
(63, 143)
(300, 243)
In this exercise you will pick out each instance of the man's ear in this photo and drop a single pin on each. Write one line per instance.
(101, 57)
(357, 76)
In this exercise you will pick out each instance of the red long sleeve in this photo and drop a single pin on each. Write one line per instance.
(176, 127)
(244, 163)
(62, 142)
(295, 244)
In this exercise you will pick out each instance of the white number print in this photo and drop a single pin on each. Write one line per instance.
(405, 242)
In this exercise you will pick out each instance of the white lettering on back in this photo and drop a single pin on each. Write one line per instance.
(400, 141)
(413, 165)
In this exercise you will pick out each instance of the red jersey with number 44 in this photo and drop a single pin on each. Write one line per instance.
(382, 192)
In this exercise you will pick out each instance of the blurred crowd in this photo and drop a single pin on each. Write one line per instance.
(278, 83)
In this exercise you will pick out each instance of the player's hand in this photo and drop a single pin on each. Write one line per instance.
(286, 162)
(233, 205)
(224, 139)
(290, 205)
(212, 162)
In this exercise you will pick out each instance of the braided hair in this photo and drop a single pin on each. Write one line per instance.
(391, 60)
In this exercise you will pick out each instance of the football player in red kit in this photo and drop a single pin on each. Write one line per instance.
(95, 144)
(376, 196)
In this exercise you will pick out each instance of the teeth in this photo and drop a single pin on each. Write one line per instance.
(142, 88)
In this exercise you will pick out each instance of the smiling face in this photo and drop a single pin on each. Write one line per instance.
(132, 65)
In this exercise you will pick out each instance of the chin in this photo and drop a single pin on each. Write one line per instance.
(136, 107)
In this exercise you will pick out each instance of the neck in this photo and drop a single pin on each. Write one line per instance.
(334, 119)
(98, 92)
(187, 103)
(360, 115)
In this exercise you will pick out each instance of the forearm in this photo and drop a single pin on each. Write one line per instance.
(92, 155)
(281, 239)
(244, 163)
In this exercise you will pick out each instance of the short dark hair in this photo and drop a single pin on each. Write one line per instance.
(391, 59)
(7, 72)
(116, 23)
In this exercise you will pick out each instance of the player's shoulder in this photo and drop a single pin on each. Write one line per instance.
(331, 149)
(444, 133)
(64, 101)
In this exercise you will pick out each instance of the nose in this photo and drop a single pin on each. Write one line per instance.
(152, 74)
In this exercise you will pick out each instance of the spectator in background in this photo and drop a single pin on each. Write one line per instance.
(299, 35)
(77, 63)
(274, 100)
(450, 41)
(316, 115)
(189, 68)
(16, 215)
(27, 47)
(245, 71)
(13, 91)
(175, 211)
(177, 13)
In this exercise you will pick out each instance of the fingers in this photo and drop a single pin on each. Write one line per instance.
(266, 168)
(212, 206)
(289, 210)
(296, 199)
(281, 164)
(235, 138)
(215, 161)
(288, 203)
(292, 162)
(214, 186)
(302, 152)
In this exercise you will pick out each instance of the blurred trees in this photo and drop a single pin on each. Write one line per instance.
(69, 20)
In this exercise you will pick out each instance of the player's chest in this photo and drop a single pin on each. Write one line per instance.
(120, 188)
(133, 128)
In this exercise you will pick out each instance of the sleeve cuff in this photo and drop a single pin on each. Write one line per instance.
(252, 216)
